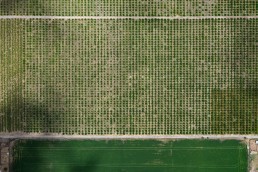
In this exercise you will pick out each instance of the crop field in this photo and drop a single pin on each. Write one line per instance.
(129, 76)
(130, 155)
(129, 8)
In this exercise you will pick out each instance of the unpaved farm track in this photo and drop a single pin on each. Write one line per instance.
(107, 137)
(128, 17)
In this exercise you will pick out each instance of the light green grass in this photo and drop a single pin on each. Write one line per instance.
(11, 74)
(178, 156)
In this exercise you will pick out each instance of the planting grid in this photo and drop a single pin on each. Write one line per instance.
(129, 76)
(129, 8)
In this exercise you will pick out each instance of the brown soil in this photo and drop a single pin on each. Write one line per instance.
(4, 155)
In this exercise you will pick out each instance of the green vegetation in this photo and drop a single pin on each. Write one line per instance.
(11, 74)
(130, 76)
(237, 105)
(130, 155)
(129, 8)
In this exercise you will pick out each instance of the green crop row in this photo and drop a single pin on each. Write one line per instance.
(129, 8)
(129, 76)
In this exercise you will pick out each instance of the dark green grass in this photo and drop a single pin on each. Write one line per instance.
(178, 156)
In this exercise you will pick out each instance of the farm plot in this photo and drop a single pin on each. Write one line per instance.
(129, 76)
(130, 155)
(11, 74)
(129, 8)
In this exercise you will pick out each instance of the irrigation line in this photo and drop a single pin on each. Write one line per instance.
(106, 137)
(128, 17)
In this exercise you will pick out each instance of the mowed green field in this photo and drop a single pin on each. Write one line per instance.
(130, 156)
(129, 76)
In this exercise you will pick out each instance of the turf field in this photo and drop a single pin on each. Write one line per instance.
(129, 76)
(130, 156)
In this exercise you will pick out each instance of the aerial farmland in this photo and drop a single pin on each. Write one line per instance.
(140, 69)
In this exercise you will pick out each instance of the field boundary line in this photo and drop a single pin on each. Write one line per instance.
(128, 17)
(106, 137)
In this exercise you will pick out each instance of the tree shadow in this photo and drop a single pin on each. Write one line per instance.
(89, 166)
(24, 7)
(32, 115)
(49, 155)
